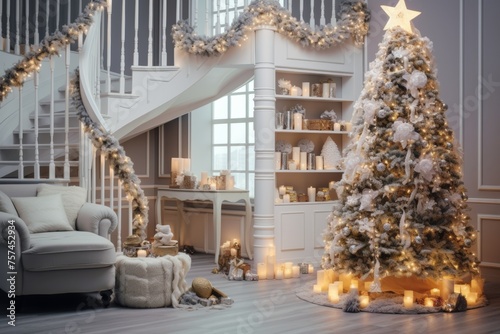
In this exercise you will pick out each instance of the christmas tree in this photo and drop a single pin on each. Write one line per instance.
(402, 207)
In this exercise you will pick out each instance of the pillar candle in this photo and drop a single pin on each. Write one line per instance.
(310, 269)
(465, 290)
(336, 126)
(142, 253)
(346, 279)
(364, 300)
(471, 298)
(354, 284)
(297, 121)
(319, 162)
(476, 285)
(279, 274)
(320, 277)
(428, 302)
(230, 182)
(286, 198)
(348, 126)
(333, 293)
(340, 285)
(186, 165)
(408, 299)
(174, 165)
(204, 178)
(457, 288)
(446, 288)
(296, 155)
(331, 184)
(326, 89)
(292, 165)
(303, 160)
(282, 190)
(295, 271)
(333, 89)
(435, 292)
(317, 288)
(311, 194)
(306, 88)
(261, 270)
(270, 262)
(294, 91)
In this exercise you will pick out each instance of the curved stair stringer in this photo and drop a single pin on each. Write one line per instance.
(161, 94)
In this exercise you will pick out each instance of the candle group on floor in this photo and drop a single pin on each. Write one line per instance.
(336, 284)
(273, 270)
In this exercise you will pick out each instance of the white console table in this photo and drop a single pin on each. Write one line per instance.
(216, 197)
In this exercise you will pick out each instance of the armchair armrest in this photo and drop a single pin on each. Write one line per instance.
(22, 241)
(96, 218)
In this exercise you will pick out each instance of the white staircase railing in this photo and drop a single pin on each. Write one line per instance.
(107, 57)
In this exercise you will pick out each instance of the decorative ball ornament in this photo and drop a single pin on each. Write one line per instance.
(346, 231)
(381, 167)
(382, 113)
(468, 242)
(352, 249)
(418, 239)
(387, 227)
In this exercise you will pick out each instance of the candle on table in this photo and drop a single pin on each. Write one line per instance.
(319, 162)
(333, 293)
(311, 194)
(292, 165)
(435, 292)
(277, 160)
(295, 271)
(204, 178)
(336, 126)
(186, 165)
(142, 253)
(408, 299)
(303, 160)
(230, 182)
(428, 302)
(261, 270)
(297, 121)
(306, 88)
(364, 300)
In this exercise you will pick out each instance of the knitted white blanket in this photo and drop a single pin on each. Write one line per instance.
(151, 282)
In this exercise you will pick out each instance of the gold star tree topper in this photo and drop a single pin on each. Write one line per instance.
(400, 16)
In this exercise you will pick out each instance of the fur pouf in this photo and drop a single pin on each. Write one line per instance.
(151, 282)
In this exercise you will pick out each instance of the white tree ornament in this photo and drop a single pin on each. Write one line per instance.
(331, 154)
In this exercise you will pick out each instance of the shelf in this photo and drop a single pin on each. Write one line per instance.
(312, 98)
(322, 132)
(321, 171)
(304, 203)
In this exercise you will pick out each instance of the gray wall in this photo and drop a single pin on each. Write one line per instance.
(465, 35)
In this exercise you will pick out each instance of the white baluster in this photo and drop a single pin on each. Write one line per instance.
(94, 174)
(178, 11)
(122, 57)
(27, 30)
(80, 6)
(217, 29)
(235, 9)
(312, 21)
(57, 13)
(301, 10)
(226, 21)
(66, 114)
(36, 36)
(52, 166)
(322, 20)
(119, 214)
(82, 167)
(289, 3)
(103, 177)
(18, 19)
(108, 40)
(7, 35)
(1, 15)
(69, 13)
(20, 172)
(150, 37)
(136, 38)
(130, 218)
(195, 16)
(47, 15)
(208, 28)
(164, 35)
(333, 20)
(37, 153)
(111, 185)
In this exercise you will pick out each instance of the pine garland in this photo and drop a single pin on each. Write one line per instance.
(49, 46)
(353, 23)
(122, 165)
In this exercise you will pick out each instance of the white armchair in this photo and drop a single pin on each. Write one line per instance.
(53, 255)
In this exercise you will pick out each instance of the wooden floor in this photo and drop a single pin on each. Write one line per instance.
(259, 307)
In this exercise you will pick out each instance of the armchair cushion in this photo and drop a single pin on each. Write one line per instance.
(68, 250)
(73, 198)
(42, 214)
(6, 204)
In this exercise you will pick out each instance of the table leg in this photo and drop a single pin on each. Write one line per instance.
(182, 223)
(158, 210)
